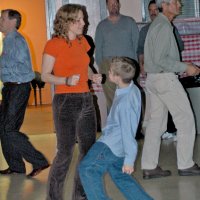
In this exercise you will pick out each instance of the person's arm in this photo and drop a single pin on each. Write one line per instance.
(192, 70)
(47, 76)
(141, 63)
(129, 118)
(94, 77)
(140, 49)
(135, 38)
(98, 44)
(179, 40)
(161, 58)
(161, 50)
(20, 62)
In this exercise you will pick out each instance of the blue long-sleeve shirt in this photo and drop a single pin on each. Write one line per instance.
(122, 122)
(15, 60)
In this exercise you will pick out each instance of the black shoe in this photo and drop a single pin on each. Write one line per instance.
(192, 171)
(155, 173)
(37, 171)
(10, 171)
(139, 136)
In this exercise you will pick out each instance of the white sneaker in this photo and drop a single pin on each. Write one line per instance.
(175, 138)
(166, 135)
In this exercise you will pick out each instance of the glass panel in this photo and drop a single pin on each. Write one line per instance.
(50, 15)
(190, 9)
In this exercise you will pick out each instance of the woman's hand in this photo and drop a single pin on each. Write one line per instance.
(97, 78)
(73, 80)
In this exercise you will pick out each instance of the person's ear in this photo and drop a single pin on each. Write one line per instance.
(13, 22)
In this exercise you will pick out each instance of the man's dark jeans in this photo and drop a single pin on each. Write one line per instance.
(15, 145)
(75, 119)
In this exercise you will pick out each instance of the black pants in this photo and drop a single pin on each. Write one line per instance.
(170, 124)
(16, 145)
(74, 118)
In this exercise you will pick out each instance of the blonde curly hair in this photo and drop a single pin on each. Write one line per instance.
(66, 15)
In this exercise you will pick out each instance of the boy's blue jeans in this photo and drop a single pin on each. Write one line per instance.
(96, 163)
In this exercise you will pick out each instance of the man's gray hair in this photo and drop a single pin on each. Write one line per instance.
(159, 2)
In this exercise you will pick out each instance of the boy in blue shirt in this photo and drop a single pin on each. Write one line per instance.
(115, 151)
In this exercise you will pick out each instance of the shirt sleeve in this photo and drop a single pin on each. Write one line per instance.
(99, 45)
(142, 37)
(21, 56)
(179, 40)
(129, 118)
(51, 47)
(135, 38)
(17, 66)
(163, 36)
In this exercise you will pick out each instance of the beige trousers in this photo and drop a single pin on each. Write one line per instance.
(146, 110)
(166, 93)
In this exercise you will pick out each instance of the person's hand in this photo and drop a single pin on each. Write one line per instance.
(141, 63)
(73, 80)
(127, 169)
(142, 70)
(97, 78)
(192, 70)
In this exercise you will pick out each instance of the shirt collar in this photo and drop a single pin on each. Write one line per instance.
(120, 91)
(165, 18)
(11, 34)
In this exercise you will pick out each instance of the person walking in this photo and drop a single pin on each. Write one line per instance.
(153, 12)
(161, 62)
(16, 75)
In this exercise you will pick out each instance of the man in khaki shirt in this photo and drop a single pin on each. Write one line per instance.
(161, 62)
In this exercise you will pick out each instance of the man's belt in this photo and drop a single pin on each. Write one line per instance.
(13, 83)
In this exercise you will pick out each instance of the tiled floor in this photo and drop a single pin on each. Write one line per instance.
(18, 187)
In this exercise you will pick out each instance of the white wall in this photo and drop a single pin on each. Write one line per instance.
(132, 8)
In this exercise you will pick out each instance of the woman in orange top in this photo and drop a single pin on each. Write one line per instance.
(65, 64)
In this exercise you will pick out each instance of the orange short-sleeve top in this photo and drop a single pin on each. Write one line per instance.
(69, 60)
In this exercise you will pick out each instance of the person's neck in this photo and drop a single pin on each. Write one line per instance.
(72, 36)
(114, 18)
(169, 16)
(122, 85)
(8, 31)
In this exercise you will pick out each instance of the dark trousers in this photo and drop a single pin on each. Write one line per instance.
(75, 119)
(16, 145)
(170, 124)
